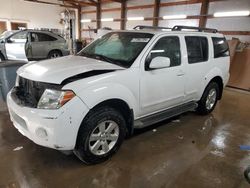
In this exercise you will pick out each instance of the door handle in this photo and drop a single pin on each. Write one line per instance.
(180, 73)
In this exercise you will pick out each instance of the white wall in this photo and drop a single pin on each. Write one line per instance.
(36, 15)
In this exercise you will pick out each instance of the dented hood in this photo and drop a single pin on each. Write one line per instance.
(57, 70)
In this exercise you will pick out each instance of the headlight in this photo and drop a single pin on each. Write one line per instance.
(54, 99)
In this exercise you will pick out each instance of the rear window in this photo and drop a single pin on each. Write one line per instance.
(221, 48)
(197, 48)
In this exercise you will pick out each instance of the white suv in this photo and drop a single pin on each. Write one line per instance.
(124, 80)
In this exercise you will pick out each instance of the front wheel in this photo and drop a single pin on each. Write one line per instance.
(1, 58)
(209, 99)
(100, 135)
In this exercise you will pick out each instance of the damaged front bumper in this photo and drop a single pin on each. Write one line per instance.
(55, 129)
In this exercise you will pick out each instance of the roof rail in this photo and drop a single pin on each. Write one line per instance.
(140, 27)
(199, 29)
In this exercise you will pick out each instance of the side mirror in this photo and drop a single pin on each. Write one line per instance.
(159, 63)
(9, 40)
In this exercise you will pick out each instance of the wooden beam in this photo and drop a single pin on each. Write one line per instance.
(111, 1)
(79, 17)
(50, 3)
(92, 1)
(187, 2)
(123, 14)
(81, 3)
(156, 13)
(203, 13)
(98, 15)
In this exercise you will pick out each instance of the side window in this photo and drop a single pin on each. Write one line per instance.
(221, 48)
(33, 37)
(168, 47)
(19, 37)
(197, 49)
(45, 38)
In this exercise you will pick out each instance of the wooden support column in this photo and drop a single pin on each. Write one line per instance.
(203, 13)
(79, 17)
(123, 14)
(156, 13)
(98, 15)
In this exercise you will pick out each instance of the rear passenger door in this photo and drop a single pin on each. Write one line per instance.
(41, 43)
(197, 65)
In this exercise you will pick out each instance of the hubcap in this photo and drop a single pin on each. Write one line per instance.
(55, 55)
(104, 137)
(211, 99)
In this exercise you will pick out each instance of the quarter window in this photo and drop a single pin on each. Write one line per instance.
(197, 49)
(221, 48)
(168, 47)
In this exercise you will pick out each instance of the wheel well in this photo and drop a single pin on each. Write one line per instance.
(124, 109)
(219, 81)
(55, 50)
(2, 56)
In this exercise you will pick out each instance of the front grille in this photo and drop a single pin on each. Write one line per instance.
(28, 92)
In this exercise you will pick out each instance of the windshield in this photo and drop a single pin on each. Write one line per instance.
(6, 34)
(120, 48)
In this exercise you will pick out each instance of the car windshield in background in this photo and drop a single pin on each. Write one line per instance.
(6, 34)
(120, 48)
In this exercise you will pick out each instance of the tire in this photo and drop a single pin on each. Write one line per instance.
(247, 174)
(1, 58)
(100, 148)
(209, 99)
(54, 54)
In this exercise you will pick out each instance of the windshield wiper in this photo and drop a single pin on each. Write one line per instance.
(105, 58)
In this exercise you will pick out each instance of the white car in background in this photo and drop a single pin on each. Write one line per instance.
(29, 45)
(124, 80)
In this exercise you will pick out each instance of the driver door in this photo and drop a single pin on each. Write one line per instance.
(164, 87)
(15, 46)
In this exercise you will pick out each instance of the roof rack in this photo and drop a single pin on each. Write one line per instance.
(140, 27)
(199, 29)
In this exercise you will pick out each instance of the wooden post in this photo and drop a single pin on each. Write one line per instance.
(79, 9)
(98, 15)
(156, 13)
(123, 14)
(203, 13)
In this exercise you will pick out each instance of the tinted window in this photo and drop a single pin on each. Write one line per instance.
(197, 48)
(168, 47)
(41, 37)
(220, 47)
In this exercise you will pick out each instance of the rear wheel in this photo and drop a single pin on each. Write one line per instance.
(209, 99)
(100, 135)
(54, 54)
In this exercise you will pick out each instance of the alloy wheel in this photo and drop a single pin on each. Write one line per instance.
(104, 137)
(211, 99)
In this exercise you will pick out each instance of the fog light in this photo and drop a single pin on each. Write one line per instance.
(42, 133)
